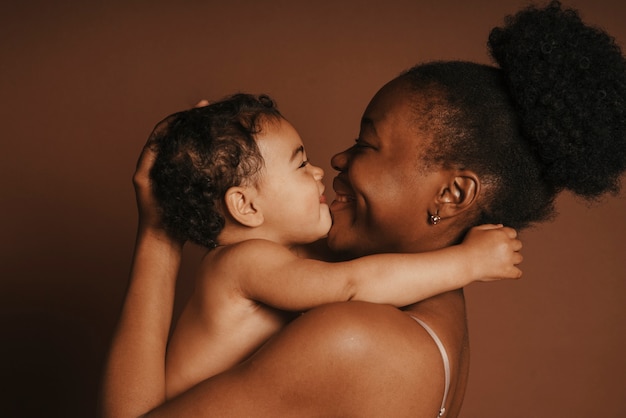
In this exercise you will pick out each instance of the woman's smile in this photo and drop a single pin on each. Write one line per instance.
(343, 192)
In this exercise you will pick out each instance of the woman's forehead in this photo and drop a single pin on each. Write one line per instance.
(394, 115)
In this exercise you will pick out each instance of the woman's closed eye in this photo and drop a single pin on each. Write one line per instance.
(359, 144)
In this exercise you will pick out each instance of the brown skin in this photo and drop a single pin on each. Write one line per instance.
(345, 359)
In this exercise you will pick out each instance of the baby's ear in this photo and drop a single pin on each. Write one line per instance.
(240, 203)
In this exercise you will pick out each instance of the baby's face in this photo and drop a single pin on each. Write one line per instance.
(291, 188)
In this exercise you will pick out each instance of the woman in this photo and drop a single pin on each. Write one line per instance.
(443, 147)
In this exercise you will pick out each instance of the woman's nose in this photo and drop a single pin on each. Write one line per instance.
(340, 161)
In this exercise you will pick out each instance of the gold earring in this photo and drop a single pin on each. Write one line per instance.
(434, 219)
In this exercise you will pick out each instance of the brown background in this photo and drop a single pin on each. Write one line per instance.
(82, 84)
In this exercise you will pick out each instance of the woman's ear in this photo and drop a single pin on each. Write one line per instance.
(458, 195)
(241, 204)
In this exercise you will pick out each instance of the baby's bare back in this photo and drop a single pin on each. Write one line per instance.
(218, 328)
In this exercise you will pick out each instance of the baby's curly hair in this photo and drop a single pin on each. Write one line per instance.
(550, 117)
(200, 154)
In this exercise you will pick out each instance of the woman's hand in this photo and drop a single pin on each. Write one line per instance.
(149, 217)
(146, 203)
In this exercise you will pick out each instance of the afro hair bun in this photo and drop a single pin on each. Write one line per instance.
(568, 81)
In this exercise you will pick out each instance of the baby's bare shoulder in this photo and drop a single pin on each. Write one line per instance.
(231, 263)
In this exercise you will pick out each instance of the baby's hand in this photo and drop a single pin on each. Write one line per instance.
(493, 252)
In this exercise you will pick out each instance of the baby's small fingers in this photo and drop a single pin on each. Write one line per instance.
(486, 227)
(510, 232)
(202, 103)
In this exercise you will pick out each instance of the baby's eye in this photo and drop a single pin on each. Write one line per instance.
(304, 164)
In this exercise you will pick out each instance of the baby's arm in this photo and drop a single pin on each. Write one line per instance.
(277, 277)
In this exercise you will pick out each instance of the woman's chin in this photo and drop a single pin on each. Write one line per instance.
(340, 206)
(338, 237)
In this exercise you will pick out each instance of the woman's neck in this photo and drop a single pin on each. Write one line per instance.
(449, 304)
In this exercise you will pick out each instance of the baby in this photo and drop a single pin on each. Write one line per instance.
(234, 177)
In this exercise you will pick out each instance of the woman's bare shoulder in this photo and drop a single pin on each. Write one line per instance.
(349, 359)
(348, 354)
(369, 332)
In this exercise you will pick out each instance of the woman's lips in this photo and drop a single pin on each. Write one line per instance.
(343, 203)
(343, 198)
(343, 192)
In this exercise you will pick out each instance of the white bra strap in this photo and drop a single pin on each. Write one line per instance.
(446, 363)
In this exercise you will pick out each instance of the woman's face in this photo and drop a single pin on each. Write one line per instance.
(384, 194)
